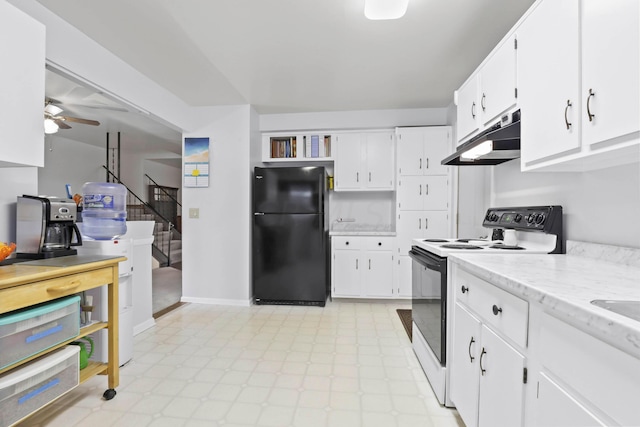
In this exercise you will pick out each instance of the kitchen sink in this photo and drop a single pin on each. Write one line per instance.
(630, 309)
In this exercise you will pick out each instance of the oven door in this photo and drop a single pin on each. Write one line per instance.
(429, 299)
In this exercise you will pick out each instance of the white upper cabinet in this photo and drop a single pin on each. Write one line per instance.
(610, 69)
(21, 88)
(579, 93)
(489, 92)
(498, 82)
(364, 161)
(421, 149)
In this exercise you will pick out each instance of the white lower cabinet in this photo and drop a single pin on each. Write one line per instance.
(362, 267)
(487, 376)
(488, 367)
(402, 275)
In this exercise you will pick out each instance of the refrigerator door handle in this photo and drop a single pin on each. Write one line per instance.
(258, 213)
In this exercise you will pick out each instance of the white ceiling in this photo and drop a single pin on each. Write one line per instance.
(288, 56)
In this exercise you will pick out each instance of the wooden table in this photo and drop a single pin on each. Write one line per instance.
(34, 282)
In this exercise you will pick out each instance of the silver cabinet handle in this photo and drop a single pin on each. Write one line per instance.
(356, 263)
(426, 223)
(419, 223)
(473, 110)
(357, 176)
(591, 95)
(420, 163)
(369, 176)
(427, 163)
(427, 190)
(482, 370)
(470, 356)
(566, 120)
(369, 263)
(420, 192)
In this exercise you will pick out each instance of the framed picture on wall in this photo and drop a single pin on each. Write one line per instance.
(196, 162)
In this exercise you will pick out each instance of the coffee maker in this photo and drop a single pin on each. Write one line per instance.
(45, 227)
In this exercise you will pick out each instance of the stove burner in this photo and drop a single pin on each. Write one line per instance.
(507, 247)
(455, 246)
(435, 240)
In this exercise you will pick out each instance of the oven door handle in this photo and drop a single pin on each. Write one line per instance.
(428, 262)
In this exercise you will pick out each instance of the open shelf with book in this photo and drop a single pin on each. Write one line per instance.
(297, 147)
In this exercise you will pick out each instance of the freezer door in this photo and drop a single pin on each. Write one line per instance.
(289, 190)
(289, 258)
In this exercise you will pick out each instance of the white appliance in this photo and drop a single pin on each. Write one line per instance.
(528, 230)
(116, 247)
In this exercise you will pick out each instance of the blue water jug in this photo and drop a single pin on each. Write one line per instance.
(104, 210)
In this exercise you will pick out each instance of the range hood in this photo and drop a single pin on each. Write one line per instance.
(498, 144)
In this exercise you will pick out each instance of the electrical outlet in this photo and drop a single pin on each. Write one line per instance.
(194, 213)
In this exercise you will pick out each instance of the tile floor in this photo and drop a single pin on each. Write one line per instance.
(349, 364)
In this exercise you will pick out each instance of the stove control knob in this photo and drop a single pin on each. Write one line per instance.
(530, 218)
(517, 218)
(539, 218)
(493, 218)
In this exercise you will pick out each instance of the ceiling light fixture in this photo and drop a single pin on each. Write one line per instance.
(385, 9)
(50, 126)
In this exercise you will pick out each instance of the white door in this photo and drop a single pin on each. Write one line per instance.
(403, 275)
(346, 273)
(378, 275)
(435, 193)
(410, 193)
(501, 380)
(465, 371)
(548, 77)
(435, 224)
(379, 155)
(437, 146)
(498, 82)
(610, 69)
(468, 108)
(409, 149)
(408, 227)
(348, 162)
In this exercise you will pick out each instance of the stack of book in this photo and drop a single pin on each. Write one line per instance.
(317, 146)
(284, 147)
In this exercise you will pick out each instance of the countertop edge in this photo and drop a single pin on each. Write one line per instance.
(617, 330)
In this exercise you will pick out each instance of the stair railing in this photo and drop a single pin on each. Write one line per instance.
(159, 239)
(163, 190)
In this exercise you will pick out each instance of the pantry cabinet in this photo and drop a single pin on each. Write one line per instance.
(578, 67)
(364, 161)
(490, 91)
(418, 193)
(421, 149)
(362, 267)
(21, 88)
(488, 365)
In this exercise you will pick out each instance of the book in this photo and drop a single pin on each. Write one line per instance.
(315, 140)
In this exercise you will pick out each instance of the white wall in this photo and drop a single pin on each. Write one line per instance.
(69, 162)
(216, 247)
(601, 206)
(15, 182)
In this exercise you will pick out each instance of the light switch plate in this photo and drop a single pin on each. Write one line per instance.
(194, 213)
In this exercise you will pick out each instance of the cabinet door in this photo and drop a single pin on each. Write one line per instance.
(557, 408)
(437, 146)
(610, 69)
(501, 383)
(435, 193)
(21, 88)
(408, 227)
(409, 150)
(348, 162)
(435, 224)
(379, 157)
(468, 108)
(403, 276)
(465, 371)
(498, 82)
(346, 273)
(410, 193)
(378, 276)
(548, 75)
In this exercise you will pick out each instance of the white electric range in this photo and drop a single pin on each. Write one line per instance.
(518, 230)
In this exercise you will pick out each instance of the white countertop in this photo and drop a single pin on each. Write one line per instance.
(362, 233)
(565, 285)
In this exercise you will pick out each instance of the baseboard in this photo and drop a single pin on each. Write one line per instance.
(141, 327)
(216, 301)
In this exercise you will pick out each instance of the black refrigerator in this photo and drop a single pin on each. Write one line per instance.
(290, 232)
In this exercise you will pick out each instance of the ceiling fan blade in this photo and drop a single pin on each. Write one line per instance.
(79, 120)
(61, 124)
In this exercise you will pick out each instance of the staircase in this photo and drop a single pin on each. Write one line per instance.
(167, 242)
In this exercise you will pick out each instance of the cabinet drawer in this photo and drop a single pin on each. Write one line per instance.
(378, 243)
(346, 242)
(607, 378)
(506, 313)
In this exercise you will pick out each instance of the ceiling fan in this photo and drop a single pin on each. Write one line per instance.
(54, 121)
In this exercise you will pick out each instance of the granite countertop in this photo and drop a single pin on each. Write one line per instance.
(357, 229)
(565, 285)
(361, 233)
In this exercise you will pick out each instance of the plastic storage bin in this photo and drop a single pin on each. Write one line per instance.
(104, 210)
(26, 332)
(28, 388)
